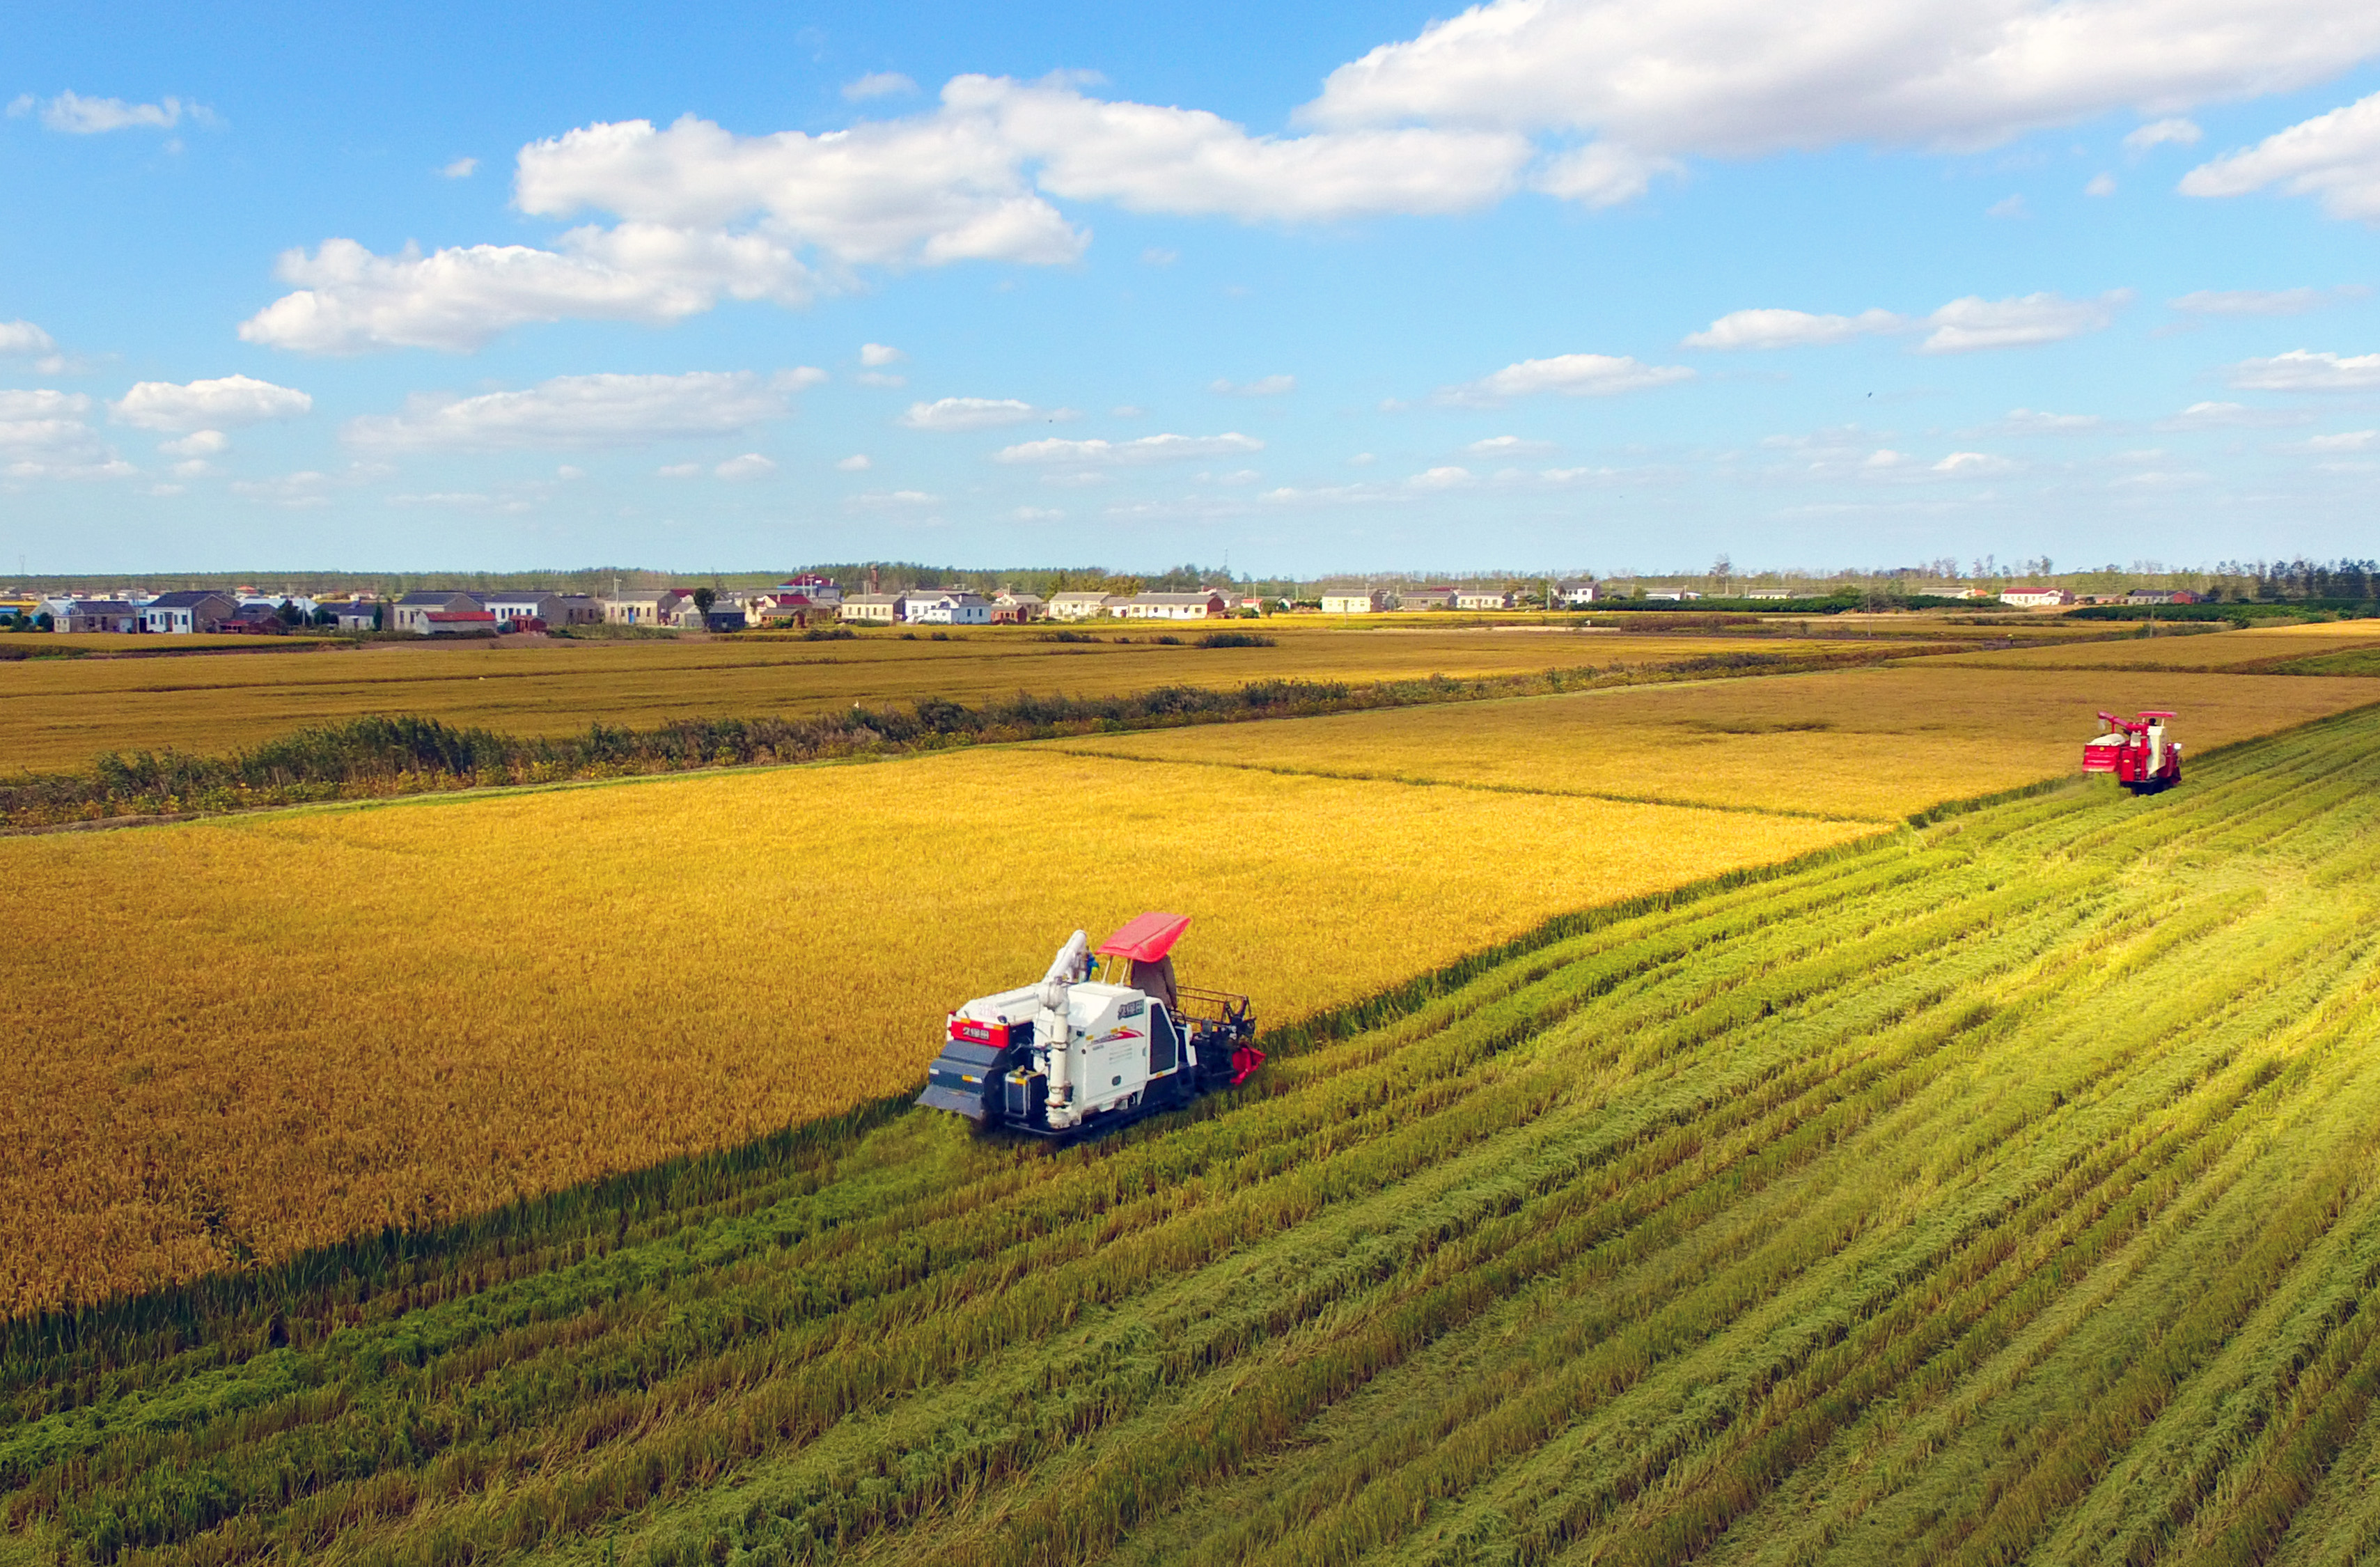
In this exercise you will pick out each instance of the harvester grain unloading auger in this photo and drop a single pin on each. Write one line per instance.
(2136, 751)
(1074, 1053)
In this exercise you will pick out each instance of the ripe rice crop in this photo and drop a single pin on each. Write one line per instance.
(2000, 1190)
(272, 1032)
(2241, 652)
(1876, 744)
(59, 714)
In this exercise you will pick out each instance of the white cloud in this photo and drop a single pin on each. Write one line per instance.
(43, 436)
(1601, 174)
(1972, 464)
(585, 410)
(459, 298)
(230, 401)
(302, 490)
(2026, 422)
(1964, 326)
(2345, 441)
(876, 356)
(1509, 446)
(1362, 459)
(1735, 79)
(461, 168)
(678, 470)
(968, 413)
(878, 84)
(2007, 207)
(2335, 157)
(1448, 478)
(1572, 375)
(1159, 255)
(2158, 133)
(198, 443)
(855, 463)
(2101, 185)
(891, 501)
(78, 115)
(22, 339)
(463, 500)
(1792, 329)
(1146, 449)
(878, 378)
(1037, 513)
(2225, 416)
(2258, 301)
(2298, 370)
(196, 467)
(1266, 386)
(751, 464)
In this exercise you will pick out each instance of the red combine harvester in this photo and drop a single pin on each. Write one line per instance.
(1074, 1053)
(2136, 751)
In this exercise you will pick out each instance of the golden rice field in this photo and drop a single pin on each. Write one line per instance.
(2191, 649)
(57, 715)
(1876, 744)
(255, 1034)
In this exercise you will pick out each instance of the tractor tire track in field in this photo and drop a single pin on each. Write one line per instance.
(2005, 1187)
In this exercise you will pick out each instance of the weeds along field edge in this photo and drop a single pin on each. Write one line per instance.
(1999, 1186)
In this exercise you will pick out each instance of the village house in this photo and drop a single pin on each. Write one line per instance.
(936, 606)
(1204, 605)
(2160, 596)
(824, 592)
(182, 614)
(1579, 592)
(1483, 598)
(458, 623)
(881, 609)
(1018, 609)
(2036, 597)
(1353, 600)
(99, 615)
(1077, 606)
(525, 604)
(356, 614)
(1674, 595)
(406, 614)
(661, 607)
(1426, 599)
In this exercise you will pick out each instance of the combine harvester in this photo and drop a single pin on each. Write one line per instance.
(2137, 752)
(1072, 1053)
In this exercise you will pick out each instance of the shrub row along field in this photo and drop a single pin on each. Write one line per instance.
(2007, 1189)
(268, 1032)
(62, 714)
(1877, 744)
(379, 756)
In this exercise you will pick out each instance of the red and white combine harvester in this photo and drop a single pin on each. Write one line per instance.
(1074, 1053)
(2136, 751)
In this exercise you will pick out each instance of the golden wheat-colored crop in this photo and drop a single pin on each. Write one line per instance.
(2191, 649)
(59, 714)
(1873, 743)
(249, 1036)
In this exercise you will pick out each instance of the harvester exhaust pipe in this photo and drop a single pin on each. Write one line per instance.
(1073, 961)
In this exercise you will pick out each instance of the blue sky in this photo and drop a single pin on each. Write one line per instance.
(1546, 284)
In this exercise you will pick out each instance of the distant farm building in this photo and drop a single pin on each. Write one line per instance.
(2036, 597)
(185, 613)
(1176, 606)
(1353, 600)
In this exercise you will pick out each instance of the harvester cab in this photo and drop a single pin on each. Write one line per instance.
(1073, 1052)
(2137, 752)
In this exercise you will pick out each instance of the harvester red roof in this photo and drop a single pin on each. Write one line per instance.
(1146, 937)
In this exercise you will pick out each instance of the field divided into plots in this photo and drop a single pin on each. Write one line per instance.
(2006, 1190)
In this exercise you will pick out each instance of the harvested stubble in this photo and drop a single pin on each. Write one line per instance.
(1876, 744)
(272, 1032)
(58, 715)
(2003, 1191)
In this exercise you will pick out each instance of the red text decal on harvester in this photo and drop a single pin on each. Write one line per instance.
(1073, 1052)
(2137, 752)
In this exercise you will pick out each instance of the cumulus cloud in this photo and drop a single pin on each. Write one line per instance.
(23, 339)
(585, 410)
(1968, 465)
(2298, 370)
(1146, 449)
(1572, 375)
(198, 443)
(461, 168)
(968, 413)
(228, 402)
(891, 501)
(1965, 325)
(751, 464)
(44, 435)
(857, 463)
(2333, 157)
(2100, 185)
(460, 298)
(1732, 77)
(2258, 301)
(2173, 131)
(1264, 386)
(878, 84)
(876, 356)
(1792, 329)
(678, 471)
(78, 115)
(2224, 416)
